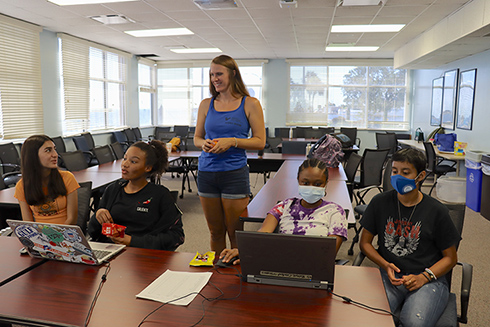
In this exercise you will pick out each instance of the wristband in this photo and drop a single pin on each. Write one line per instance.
(236, 142)
(426, 276)
(431, 274)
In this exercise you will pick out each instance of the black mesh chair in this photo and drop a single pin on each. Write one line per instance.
(165, 136)
(351, 167)
(273, 143)
(181, 131)
(83, 146)
(327, 130)
(118, 150)
(351, 132)
(10, 164)
(450, 316)
(281, 132)
(301, 131)
(120, 136)
(90, 139)
(387, 141)
(130, 135)
(137, 133)
(104, 154)
(74, 161)
(371, 173)
(294, 147)
(314, 133)
(84, 195)
(435, 166)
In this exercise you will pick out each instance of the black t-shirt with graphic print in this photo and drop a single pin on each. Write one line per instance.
(415, 243)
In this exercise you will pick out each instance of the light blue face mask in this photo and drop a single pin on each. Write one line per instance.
(402, 184)
(311, 194)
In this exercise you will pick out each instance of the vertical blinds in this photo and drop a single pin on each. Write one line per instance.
(75, 67)
(21, 110)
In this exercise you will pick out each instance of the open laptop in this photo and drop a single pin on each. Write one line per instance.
(61, 242)
(289, 260)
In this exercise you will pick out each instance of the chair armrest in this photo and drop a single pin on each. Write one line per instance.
(359, 259)
(11, 165)
(466, 279)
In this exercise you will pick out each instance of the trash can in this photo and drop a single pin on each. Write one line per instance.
(485, 187)
(473, 179)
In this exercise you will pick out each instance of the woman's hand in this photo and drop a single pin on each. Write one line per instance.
(126, 240)
(208, 145)
(227, 254)
(222, 144)
(414, 282)
(103, 216)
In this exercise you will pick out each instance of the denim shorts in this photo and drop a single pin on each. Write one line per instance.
(233, 184)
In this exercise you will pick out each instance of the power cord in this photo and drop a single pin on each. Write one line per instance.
(349, 300)
(218, 298)
(103, 278)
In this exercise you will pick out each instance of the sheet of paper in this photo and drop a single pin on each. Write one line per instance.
(172, 285)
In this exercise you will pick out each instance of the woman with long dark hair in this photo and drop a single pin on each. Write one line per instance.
(45, 193)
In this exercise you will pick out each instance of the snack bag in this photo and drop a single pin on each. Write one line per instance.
(113, 230)
(459, 148)
(203, 260)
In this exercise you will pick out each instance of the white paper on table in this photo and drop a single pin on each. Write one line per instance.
(172, 285)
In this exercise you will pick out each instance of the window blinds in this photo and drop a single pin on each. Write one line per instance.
(21, 110)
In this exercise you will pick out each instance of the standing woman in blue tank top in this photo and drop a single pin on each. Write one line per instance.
(222, 131)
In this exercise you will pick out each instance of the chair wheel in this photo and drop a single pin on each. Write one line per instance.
(190, 191)
(350, 252)
(181, 196)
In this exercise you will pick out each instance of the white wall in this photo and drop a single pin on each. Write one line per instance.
(478, 137)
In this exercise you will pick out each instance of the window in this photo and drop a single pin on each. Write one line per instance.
(94, 86)
(371, 97)
(146, 80)
(181, 90)
(21, 108)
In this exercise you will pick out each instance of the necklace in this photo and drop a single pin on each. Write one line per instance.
(402, 240)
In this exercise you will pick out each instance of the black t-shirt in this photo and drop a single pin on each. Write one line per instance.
(150, 215)
(412, 238)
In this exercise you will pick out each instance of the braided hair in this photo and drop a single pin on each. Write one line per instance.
(314, 163)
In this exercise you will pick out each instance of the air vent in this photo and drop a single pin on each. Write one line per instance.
(216, 4)
(112, 19)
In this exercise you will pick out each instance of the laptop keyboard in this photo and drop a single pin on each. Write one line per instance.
(99, 254)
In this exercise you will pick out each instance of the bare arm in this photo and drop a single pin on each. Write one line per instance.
(199, 133)
(338, 243)
(26, 212)
(72, 208)
(269, 225)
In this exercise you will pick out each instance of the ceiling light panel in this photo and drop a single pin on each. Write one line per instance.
(378, 28)
(196, 50)
(350, 48)
(84, 2)
(160, 32)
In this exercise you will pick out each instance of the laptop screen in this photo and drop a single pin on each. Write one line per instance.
(290, 260)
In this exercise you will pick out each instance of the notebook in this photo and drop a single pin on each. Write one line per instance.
(289, 260)
(61, 242)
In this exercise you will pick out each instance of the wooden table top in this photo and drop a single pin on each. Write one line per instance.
(62, 292)
(285, 185)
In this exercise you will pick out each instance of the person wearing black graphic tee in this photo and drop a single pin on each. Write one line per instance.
(148, 211)
(416, 243)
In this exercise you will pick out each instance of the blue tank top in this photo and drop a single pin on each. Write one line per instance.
(225, 124)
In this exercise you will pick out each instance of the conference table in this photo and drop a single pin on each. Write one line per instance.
(446, 155)
(60, 294)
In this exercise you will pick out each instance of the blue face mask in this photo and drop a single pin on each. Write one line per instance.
(402, 184)
(311, 194)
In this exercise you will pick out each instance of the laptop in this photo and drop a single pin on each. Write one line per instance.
(61, 242)
(288, 260)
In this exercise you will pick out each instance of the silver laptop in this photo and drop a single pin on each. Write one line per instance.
(288, 260)
(61, 242)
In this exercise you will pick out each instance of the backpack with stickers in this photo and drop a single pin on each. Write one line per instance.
(328, 149)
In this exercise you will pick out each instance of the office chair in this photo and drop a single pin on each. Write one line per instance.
(294, 147)
(90, 139)
(314, 133)
(450, 316)
(361, 208)
(181, 131)
(351, 167)
(435, 166)
(327, 130)
(281, 132)
(130, 135)
(273, 144)
(10, 164)
(84, 195)
(104, 154)
(120, 136)
(387, 141)
(351, 132)
(83, 146)
(137, 133)
(371, 173)
(117, 149)
(74, 161)
(301, 131)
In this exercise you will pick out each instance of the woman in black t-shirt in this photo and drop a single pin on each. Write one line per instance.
(148, 211)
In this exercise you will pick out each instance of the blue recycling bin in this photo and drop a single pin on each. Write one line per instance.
(473, 184)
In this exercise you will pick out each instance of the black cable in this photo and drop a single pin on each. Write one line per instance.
(349, 300)
(97, 293)
(218, 298)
